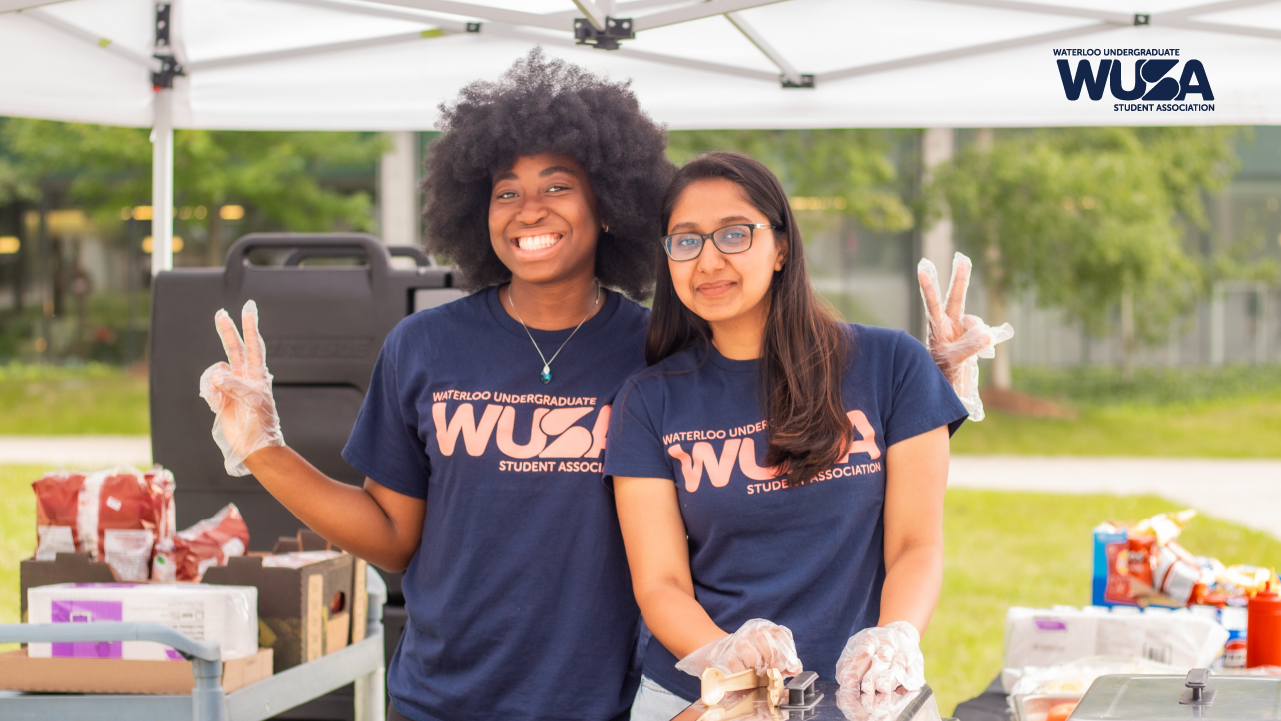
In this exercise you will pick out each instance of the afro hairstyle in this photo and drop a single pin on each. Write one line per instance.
(543, 105)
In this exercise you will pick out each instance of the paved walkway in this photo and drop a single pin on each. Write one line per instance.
(1245, 491)
(87, 452)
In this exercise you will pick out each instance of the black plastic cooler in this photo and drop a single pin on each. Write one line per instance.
(324, 325)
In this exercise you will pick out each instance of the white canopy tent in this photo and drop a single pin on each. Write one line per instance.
(388, 64)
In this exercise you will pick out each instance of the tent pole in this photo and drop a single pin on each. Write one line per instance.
(162, 182)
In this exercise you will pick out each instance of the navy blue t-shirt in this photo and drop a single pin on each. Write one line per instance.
(810, 557)
(519, 599)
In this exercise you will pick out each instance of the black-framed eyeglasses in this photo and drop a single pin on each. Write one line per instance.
(730, 239)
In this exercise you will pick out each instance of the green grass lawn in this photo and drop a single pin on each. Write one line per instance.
(89, 399)
(1003, 549)
(17, 534)
(1232, 412)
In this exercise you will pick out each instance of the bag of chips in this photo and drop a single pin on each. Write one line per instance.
(119, 516)
(209, 543)
(57, 505)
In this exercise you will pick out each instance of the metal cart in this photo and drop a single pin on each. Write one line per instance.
(361, 662)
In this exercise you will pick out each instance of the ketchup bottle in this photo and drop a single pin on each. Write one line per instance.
(1263, 634)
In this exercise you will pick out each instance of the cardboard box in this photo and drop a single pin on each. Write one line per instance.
(19, 672)
(226, 614)
(65, 568)
(305, 612)
(286, 597)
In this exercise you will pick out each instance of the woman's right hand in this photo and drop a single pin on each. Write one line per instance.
(239, 393)
(758, 644)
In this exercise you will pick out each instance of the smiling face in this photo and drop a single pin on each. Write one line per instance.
(724, 289)
(542, 219)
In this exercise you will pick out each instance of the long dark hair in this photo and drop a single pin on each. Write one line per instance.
(803, 349)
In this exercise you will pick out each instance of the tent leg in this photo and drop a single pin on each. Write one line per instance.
(162, 182)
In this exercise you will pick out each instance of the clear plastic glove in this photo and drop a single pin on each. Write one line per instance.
(882, 659)
(758, 644)
(859, 706)
(956, 341)
(239, 393)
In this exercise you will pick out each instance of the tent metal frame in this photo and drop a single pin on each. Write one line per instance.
(445, 18)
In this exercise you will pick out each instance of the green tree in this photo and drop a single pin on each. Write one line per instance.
(13, 185)
(272, 174)
(854, 165)
(1093, 219)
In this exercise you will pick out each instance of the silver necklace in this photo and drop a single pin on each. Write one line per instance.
(546, 375)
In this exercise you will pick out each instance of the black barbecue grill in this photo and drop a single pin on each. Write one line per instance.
(324, 325)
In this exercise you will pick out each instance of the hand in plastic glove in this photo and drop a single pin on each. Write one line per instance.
(239, 393)
(882, 659)
(956, 341)
(758, 644)
(858, 706)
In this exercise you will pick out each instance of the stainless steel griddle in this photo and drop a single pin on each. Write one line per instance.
(917, 706)
(1199, 695)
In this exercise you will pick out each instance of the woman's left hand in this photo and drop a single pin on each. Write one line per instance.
(882, 659)
(956, 340)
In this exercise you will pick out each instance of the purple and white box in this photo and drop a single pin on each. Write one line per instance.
(1042, 637)
(226, 614)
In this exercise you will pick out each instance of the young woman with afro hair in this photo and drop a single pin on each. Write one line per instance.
(482, 433)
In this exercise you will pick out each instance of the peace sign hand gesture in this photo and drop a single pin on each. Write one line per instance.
(239, 393)
(956, 341)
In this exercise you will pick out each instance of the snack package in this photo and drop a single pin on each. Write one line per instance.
(117, 515)
(208, 543)
(57, 504)
(1142, 564)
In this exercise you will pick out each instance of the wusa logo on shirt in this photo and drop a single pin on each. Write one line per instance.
(1153, 78)
(738, 449)
(563, 431)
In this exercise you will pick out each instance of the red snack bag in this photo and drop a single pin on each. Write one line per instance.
(57, 503)
(1139, 566)
(132, 519)
(209, 543)
(122, 515)
(118, 515)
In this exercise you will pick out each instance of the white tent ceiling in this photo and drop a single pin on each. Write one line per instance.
(388, 64)
(352, 64)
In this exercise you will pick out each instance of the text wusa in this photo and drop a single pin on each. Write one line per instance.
(552, 434)
(1153, 81)
(740, 452)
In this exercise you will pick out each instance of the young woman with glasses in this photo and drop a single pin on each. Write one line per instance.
(779, 475)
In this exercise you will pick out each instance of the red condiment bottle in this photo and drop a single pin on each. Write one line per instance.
(1263, 634)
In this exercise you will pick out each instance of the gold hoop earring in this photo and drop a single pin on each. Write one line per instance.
(604, 228)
